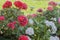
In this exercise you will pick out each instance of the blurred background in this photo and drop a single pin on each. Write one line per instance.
(32, 4)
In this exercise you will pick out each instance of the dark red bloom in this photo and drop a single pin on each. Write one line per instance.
(40, 10)
(2, 18)
(24, 6)
(52, 3)
(50, 8)
(11, 25)
(23, 37)
(7, 4)
(20, 5)
(22, 20)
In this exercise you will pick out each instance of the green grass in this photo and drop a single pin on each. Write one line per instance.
(36, 4)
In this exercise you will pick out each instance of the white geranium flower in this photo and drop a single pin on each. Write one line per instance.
(31, 21)
(54, 28)
(30, 31)
(54, 38)
(52, 25)
(47, 23)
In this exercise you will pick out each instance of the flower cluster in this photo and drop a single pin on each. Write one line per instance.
(30, 31)
(52, 3)
(24, 37)
(7, 4)
(39, 10)
(53, 26)
(25, 26)
(18, 4)
(50, 8)
(22, 20)
(11, 25)
(54, 38)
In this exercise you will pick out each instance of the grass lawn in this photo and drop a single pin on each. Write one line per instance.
(31, 3)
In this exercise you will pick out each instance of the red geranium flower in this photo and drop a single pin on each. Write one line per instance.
(20, 5)
(22, 20)
(2, 18)
(52, 3)
(7, 4)
(23, 37)
(24, 6)
(11, 25)
(50, 8)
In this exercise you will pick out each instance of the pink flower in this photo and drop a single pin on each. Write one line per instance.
(34, 15)
(11, 25)
(23, 20)
(50, 8)
(2, 18)
(52, 3)
(59, 20)
(23, 37)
